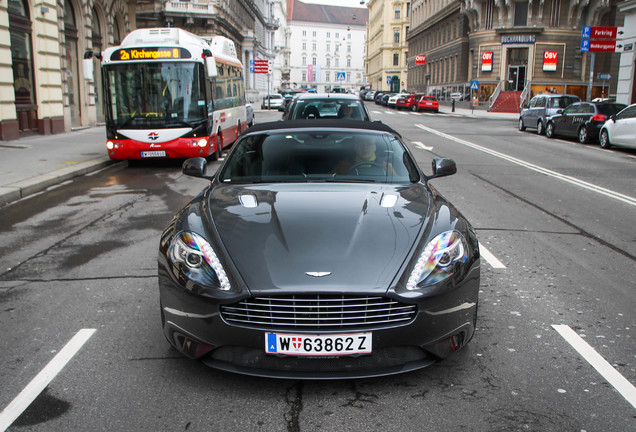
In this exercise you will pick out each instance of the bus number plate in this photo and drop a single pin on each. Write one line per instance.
(155, 153)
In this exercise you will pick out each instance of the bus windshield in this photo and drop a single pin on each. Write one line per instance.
(155, 94)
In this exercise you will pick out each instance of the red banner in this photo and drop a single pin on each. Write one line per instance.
(420, 59)
(550, 60)
(486, 61)
(603, 33)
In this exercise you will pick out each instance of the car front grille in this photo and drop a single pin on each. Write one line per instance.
(312, 312)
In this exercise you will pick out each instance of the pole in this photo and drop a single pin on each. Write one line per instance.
(269, 92)
(589, 86)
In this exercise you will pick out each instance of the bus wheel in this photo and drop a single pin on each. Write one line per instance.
(219, 143)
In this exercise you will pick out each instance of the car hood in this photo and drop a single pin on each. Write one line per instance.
(321, 237)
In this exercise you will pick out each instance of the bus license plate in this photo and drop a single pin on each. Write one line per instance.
(318, 345)
(155, 153)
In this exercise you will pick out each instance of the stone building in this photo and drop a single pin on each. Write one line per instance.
(387, 44)
(527, 47)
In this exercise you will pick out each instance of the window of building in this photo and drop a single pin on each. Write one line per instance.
(313, 76)
(304, 76)
(396, 59)
(396, 36)
(327, 76)
(348, 76)
(314, 34)
(304, 61)
(337, 62)
(22, 62)
(521, 14)
(328, 62)
(489, 8)
(328, 47)
(313, 61)
(329, 33)
(304, 46)
(348, 48)
(313, 46)
(348, 62)
(397, 12)
(555, 13)
(304, 32)
(337, 35)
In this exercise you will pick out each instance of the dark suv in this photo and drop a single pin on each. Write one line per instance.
(541, 108)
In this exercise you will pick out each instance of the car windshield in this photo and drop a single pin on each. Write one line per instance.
(325, 156)
(331, 108)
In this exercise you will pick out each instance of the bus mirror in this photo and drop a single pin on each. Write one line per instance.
(88, 69)
(211, 65)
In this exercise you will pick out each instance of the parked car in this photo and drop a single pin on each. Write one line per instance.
(378, 97)
(272, 101)
(327, 106)
(385, 99)
(369, 95)
(392, 102)
(427, 103)
(280, 246)
(582, 120)
(249, 117)
(541, 108)
(407, 102)
(620, 129)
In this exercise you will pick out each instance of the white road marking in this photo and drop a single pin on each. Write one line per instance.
(618, 381)
(421, 146)
(41, 380)
(568, 179)
(490, 258)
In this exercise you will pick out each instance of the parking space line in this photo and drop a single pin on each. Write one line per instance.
(618, 381)
(490, 258)
(43, 379)
(568, 179)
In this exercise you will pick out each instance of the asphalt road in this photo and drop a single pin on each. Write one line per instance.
(556, 216)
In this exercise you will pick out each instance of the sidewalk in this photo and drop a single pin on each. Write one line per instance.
(32, 164)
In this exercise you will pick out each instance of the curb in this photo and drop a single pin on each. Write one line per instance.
(23, 188)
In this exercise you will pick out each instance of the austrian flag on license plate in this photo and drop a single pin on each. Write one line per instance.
(318, 345)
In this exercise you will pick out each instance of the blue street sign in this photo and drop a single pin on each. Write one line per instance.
(586, 33)
(340, 76)
(605, 76)
(585, 45)
(251, 62)
(388, 80)
(474, 85)
(252, 69)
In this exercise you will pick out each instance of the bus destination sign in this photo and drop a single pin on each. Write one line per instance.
(163, 53)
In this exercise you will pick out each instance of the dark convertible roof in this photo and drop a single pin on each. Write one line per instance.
(320, 123)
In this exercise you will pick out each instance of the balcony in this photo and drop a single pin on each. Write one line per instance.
(181, 7)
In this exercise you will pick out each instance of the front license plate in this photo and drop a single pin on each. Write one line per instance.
(155, 153)
(318, 345)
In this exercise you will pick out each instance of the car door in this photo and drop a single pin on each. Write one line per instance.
(565, 124)
(624, 130)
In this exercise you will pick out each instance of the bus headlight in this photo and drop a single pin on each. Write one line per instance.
(203, 142)
(109, 145)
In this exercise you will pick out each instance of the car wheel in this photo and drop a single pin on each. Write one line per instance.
(521, 126)
(540, 128)
(583, 138)
(414, 108)
(549, 130)
(604, 140)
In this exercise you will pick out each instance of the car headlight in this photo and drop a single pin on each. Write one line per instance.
(197, 260)
(438, 259)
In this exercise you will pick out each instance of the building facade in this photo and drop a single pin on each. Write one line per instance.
(326, 46)
(387, 45)
(626, 88)
(509, 46)
(44, 89)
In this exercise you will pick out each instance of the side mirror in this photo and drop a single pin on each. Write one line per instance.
(559, 111)
(210, 63)
(443, 167)
(195, 167)
(613, 118)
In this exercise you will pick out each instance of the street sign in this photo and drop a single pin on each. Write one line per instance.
(260, 66)
(605, 76)
(589, 32)
(474, 85)
(388, 80)
(602, 46)
(340, 76)
(585, 45)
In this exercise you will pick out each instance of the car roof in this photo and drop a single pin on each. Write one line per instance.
(322, 124)
(328, 96)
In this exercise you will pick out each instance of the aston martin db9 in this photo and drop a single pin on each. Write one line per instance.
(319, 250)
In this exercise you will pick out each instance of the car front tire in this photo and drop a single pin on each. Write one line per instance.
(604, 140)
(549, 130)
(521, 125)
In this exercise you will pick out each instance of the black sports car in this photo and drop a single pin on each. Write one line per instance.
(319, 250)
(582, 120)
